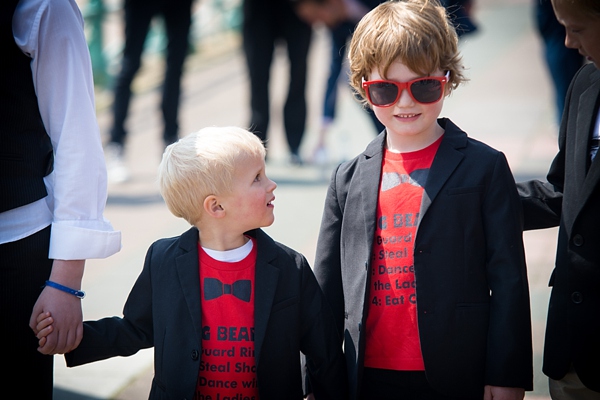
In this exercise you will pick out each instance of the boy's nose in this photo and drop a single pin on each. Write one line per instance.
(570, 42)
(405, 98)
(273, 185)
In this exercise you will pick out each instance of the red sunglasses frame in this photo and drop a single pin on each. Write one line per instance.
(406, 86)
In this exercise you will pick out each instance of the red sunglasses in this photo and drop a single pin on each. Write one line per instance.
(427, 90)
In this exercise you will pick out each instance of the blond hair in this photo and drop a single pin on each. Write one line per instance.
(201, 164)
(417, 33)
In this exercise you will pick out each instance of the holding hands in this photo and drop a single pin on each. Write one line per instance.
(64, 304)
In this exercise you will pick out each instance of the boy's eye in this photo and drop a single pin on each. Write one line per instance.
(257, 178)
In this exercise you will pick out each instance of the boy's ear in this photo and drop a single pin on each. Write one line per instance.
(212, 207)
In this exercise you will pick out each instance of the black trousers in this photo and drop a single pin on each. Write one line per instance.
(177, 16)
(385, 384)
(24, 269)
(266, 23)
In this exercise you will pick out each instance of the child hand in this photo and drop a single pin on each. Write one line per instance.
(43, 328)
(503, 393)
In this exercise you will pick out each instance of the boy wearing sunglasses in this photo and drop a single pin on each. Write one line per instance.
(420, 250)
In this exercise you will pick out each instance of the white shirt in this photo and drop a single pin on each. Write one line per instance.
(595, 137)
(231, 256)
(51, 33)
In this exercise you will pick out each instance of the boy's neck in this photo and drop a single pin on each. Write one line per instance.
(221, 241)
(406, 144)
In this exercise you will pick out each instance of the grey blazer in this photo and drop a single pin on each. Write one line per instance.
(571, 199)
(163, 311)
(472, 292)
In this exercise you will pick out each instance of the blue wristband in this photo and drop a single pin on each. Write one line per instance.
(77, 293)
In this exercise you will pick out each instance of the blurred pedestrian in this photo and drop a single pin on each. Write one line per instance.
(461, 15)
(570, 199)
(340, 34)
(267, 23)
(561, 61)
(52, 184)
(177, 17)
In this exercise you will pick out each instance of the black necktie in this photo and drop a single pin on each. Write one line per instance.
(214, 288)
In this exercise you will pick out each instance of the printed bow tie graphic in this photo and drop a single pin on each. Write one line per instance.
(214, 288)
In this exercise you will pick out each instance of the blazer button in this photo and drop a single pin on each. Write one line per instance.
(195, 355)
(577, 297)
(578, 240)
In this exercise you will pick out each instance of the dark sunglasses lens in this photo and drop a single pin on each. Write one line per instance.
(382, 93)
(426, 90)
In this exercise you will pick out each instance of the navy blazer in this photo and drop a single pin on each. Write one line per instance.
(472, 291)
(163, 311)
(571, 199)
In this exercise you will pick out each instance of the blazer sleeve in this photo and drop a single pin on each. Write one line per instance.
(509, 348)
(320, 342)
(328, 270)
(116, 336)
(541, 203)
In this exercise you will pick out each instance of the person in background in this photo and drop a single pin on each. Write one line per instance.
(52, 185)
(266, 24)
(461, 15)
(242, 305)
(177, 17)
(420, 251)
(570, 199)
(561, 61)
(340, 34)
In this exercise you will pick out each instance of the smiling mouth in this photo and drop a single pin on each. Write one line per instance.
(406, 115)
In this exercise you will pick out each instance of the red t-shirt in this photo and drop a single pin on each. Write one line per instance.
(227, 363)
(392, 333)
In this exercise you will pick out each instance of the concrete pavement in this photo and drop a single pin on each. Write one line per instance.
(508, 104)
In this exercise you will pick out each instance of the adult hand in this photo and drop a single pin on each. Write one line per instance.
(65, 308)
(503, 393)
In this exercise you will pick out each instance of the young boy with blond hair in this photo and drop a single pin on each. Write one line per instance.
(420, 251)
(227, 309)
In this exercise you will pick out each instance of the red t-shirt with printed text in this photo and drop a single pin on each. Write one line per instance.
(392, 333)
(227, 363)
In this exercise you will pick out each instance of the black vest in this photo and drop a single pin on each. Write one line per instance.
(25, 148)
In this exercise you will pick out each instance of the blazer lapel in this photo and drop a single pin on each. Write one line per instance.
(585, 180)
(445, 162)
(266, 280)
(370, 176)
(588, 104)
(189, 277)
